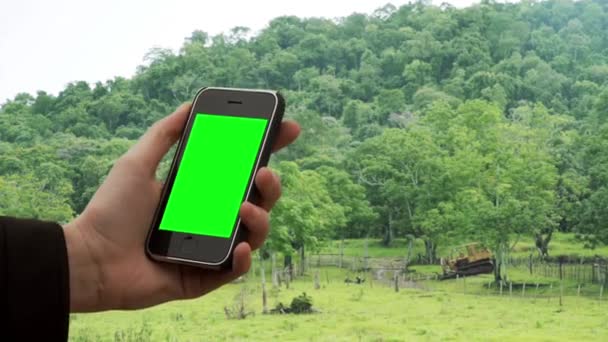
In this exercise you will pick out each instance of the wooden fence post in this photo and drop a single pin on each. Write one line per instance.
(396, 276)
(366, 255)
(274, 274)
(523, 290)
(308, 263)
(287, 278)
(561, 292)
(263, 279)
(597, 271)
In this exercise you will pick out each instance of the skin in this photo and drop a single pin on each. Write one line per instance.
(108, 266)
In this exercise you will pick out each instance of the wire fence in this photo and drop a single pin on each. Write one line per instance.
(579, 270)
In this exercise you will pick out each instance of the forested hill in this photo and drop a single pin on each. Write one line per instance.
(428, 122)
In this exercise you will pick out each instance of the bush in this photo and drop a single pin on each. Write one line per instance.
(299, 305)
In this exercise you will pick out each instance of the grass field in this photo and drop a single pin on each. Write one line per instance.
(561, 244)
(440, 311)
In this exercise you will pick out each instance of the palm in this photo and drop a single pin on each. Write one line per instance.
(119, 217)
(115, 223)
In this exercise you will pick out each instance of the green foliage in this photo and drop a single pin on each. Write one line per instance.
(429, 121)
(306, 214)
(301, 304)
(28, 196)
(351, 197)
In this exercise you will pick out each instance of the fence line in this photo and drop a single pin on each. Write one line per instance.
(580, 270)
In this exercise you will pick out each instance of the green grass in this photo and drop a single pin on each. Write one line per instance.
(549, 288)
(369, 312)
(561, 244)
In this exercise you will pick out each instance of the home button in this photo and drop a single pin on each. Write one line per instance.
(188, 245)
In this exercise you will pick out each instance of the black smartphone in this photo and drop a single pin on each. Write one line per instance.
(228, 137)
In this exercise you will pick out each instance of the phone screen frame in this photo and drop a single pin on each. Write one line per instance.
(203, 250)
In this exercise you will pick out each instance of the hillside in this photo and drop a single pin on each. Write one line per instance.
(485, 123)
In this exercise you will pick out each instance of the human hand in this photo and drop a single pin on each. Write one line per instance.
(108, 266)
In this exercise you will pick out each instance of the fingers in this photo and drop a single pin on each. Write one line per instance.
(207, 281)
(159, 138)
(287, 134)
(269, 186)
(157, 141)
(241, 261)
(257, 222)
(256, 218)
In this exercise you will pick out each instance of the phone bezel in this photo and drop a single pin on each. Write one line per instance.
(210, 252)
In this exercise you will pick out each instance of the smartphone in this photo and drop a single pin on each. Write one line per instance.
(227, 138)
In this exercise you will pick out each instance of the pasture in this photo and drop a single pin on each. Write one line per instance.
(424, 310)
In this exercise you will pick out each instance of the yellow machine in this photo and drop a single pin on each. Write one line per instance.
(478, 260)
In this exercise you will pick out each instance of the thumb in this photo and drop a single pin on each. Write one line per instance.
(159, 138)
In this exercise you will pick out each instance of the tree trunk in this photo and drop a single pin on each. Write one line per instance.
(431, 251)
(497, 277)
(408, 256)
(542, 243)
(287, 263)
(302, 261)
(341, 253)
(500, 264)
(388, 234)
(366, 254)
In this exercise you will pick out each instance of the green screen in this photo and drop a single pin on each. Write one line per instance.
(213, 174)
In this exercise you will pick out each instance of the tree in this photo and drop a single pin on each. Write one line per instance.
(398, 168)
(306, 214)
(593, 213)
(343, 191)
(27, 196)
(515, 190)
(485, 122)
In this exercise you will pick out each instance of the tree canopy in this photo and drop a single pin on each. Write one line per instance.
(488, 122)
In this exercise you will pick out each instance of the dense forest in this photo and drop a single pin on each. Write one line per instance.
(435, 123)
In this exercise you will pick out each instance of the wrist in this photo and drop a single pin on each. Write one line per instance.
(85, 272)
